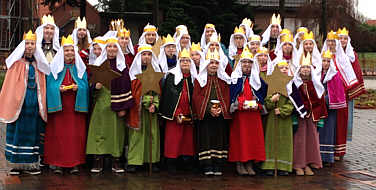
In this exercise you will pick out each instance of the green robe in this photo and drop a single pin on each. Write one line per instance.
(284, 144)
(139, 143)
(106, 130)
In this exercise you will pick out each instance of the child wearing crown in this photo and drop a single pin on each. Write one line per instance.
(247, 93)
(48, 37)
(67, 101)
(176, 108)
(23, 106)
(306, 139)
(211, 103)
(167, 55)
(82, 39)
(238, 41)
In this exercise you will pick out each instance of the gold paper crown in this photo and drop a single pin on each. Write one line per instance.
(247, 22)
(213, 55)
(48, 19)
(276, 19)
(150, 28)
(327, 54)
(285, 31)
(344, 31)
(123, 32)
(168, 40)
(116, 25)
(210, 26)
(331, 36)
(282, 63)
(246, 54)
(306, 60)
(239, 30)
(255, 38)
(111, 40)
(99, 41)
(184, 54)
(195, 47)
(302, 29)
(262, 50)
(287, 38)
(308, 36)
(215, 38)
(30, 36)
(80, 23)
(144, 47)
(67, 41)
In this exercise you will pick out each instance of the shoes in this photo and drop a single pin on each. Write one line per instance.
(15, 172)
(269, 173)
(155, 168)
(58, 170)
(240, 169)
(299, 172)
(98, 164)
(74, 170)
(171, 166)
(131, 168)
(116, 166)
(308, 171)
(208, 171)
(283, 173)
(217, 171)
(33, 172)
(249, 168)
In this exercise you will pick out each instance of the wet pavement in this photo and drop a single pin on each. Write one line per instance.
(356, 171)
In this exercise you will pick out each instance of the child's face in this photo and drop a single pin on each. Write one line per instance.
(284, 69)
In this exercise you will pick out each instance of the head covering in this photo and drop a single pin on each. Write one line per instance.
(39, 32)
(80, 24)
(232, 47)
(57, 64)
(203, 39)
(254, 79)
(18, 53)
(176, 71)
(216, 38)
(315, 78)
(101, 41)
(247, 23)
(349, 49)
(179, 34)
(202, 77)
(332, 71)
(343, 63)
(162, 58)
(266, 35)
(178, 30)
(120, 59)
(301, 30)
(316, 56)
(282, 33)
(295, 61)
(148, 28)
(117, 34)
(197, 47)
(136, 64)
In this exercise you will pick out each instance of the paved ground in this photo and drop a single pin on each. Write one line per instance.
(348, 174)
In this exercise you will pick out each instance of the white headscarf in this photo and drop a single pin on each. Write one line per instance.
(254, 79)
(343, 64)
(349, 49)
(162, 58)
(136, 67)
(120, 59)
(266, 34)
(315, 55)
(75, 37)
(232, 49)
(18, 53)
(202, 58)
(57, 64)
(203, 39)
(202, 77)
(295, 61)
(92, 56)
(248, 30)
(113, 34)
(178, 38)
(142, 39)
(315, 80)
(332, 71)
(178, 30)
(224, 60)
(55, 39)
(176, 71)
(297, 36)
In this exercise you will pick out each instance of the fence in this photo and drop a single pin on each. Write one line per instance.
(367, 61)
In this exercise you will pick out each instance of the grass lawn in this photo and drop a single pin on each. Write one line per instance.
(366, 101)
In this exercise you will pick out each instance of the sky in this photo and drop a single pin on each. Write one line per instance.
(366, 7)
